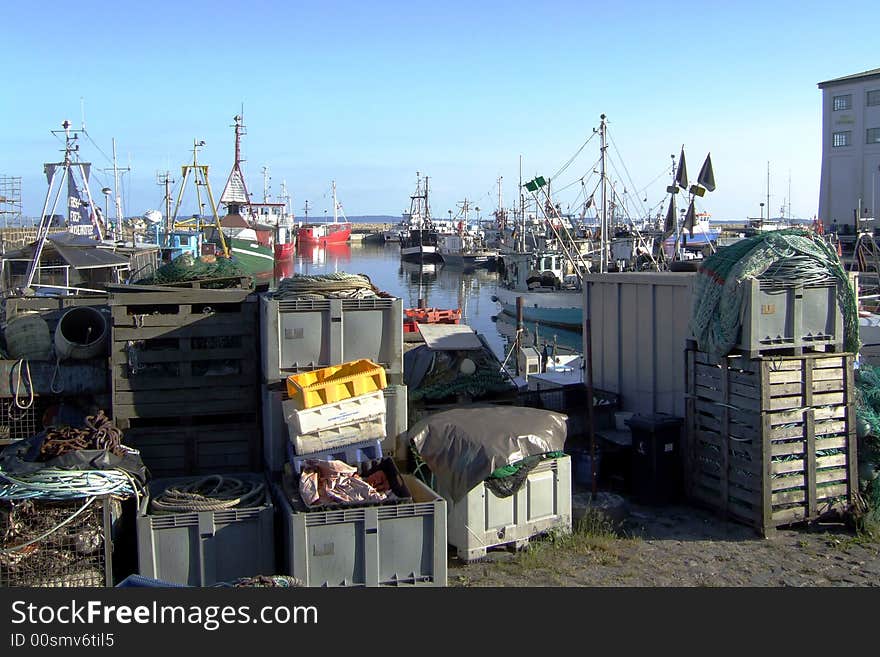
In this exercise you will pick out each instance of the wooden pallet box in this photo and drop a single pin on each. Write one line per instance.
(195, 358)
(771, 441)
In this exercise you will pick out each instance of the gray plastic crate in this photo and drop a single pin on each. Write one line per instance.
(482, 520)
(276, 436)
(299, 335)
(790, 317)
(386, 545)
(202, 548)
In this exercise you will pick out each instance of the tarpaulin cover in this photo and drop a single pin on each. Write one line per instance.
(20, 458)
(463, 446)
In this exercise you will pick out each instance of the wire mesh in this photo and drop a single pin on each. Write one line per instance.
(41, 546)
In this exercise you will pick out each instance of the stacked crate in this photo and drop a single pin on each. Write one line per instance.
(298, 336)
(336, 413)
(771, 439)
(184, 378)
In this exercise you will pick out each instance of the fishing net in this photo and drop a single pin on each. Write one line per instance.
(784, 257)
(185, 268)
(868, 417)
(338, 285)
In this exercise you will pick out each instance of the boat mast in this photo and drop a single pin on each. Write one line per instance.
(521, 240)
(768, 191)
(603, 228)
(118, 200)
(335, 215)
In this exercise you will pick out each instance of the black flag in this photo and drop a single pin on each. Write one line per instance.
(670, 216)
(690, 218)
(707, 176)
(681, 178)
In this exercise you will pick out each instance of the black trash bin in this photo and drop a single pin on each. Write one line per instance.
(656, 458)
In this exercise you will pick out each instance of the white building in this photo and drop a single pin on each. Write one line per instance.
(850, 148)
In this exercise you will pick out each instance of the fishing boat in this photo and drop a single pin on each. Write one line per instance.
(337, 232)
(419, 239)
(466, 247)
(550, 289)
(251, 243)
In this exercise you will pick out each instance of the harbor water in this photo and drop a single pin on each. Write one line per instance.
(438, 286)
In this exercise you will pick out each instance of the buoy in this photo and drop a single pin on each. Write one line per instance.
(81, 334)
(28, 337)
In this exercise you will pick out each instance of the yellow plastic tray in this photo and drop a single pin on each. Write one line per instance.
(335, 383)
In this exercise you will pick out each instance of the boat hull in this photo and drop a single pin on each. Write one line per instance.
(252, 256)
(420, 253)
(468, 260)
(552, 308)
(326, 234)
(285, 251)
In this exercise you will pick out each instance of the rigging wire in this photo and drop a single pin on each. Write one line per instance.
(573, 157)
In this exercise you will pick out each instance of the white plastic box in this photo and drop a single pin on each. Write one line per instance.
(482, 520)
(276, 435)
(335, 414)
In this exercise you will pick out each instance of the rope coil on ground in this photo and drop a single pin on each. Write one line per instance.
(211, 493)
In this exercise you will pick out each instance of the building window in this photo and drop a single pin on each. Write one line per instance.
(873, 136)
(842, 138)
(843, 102)
(873, 97)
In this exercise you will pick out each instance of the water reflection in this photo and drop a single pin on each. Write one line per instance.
(437, 286)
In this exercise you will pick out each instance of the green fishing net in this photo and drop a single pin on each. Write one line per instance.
(185, 268)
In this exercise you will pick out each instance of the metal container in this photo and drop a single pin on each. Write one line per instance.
(640, 327)
(300, 335)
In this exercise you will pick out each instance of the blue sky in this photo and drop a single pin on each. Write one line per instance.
(368, 93)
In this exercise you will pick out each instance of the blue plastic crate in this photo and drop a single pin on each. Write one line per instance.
(370, 450)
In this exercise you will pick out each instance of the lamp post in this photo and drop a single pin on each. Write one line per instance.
(106, 191)
(762, 213)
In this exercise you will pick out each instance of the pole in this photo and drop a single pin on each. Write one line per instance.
(603, 228)
(519, 329)
(588, 337)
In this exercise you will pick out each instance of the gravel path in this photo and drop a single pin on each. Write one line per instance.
(683, 546)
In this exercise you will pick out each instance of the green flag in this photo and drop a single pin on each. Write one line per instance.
(531, 186)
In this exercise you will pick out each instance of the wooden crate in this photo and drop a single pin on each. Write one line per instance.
(772, 440)
(191, 445)
(197, 357)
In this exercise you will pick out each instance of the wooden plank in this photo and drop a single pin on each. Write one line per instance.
(179, 321)
(175, 356)
(716, 439)
(823, 428)
(799, 480)
(798, 447)
(203, 330)
(205, 407)
(800, 495)
(851, 449)
(833, 374)
(183, 396)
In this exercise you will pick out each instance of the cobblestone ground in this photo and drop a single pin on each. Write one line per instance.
(683, 546)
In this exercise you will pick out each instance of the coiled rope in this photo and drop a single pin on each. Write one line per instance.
(61, 484)
(326, 286)
(211, 493)
(99, 433)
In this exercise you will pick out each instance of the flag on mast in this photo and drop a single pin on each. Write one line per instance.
(707, 176)
(670, 216)
(681, 178)
(690, 218)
